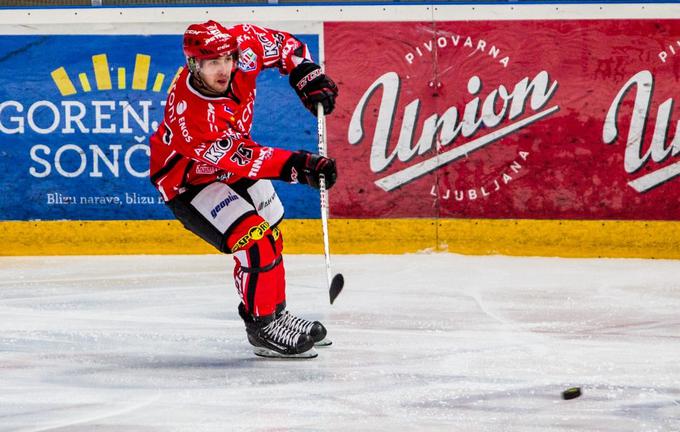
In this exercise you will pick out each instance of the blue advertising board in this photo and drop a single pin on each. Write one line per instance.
(76, 113)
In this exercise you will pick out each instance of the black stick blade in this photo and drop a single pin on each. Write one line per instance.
(337, 284)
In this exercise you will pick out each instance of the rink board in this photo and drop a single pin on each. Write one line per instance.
(653, 239)
(525, 119)
(76, 125)
(561, 173)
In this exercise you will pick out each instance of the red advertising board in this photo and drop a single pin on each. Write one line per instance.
(571, 119)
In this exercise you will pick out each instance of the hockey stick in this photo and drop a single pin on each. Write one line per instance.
(337, 282)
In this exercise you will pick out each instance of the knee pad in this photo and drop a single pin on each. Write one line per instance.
(255, 245)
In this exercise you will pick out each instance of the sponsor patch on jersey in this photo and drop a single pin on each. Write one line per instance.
(211, 118)
(265, 153)
(247, 61)
(205, 169)
(181, 107)
(218, 149)
(270, 48)
(185, 130)
(291, 45)
(222, 204)
(224, 176)
(199, 149)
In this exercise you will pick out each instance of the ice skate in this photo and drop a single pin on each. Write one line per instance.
(272, 339)
(315, 329)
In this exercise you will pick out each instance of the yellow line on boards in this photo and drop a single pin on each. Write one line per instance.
(638, 239)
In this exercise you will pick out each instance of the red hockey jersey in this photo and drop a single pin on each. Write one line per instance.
(203, 139)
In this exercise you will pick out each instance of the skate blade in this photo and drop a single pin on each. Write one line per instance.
(267, 353)
(323, 343)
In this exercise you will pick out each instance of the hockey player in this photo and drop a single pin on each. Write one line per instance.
(217, 180)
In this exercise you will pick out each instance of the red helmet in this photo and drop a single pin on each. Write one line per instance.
(208, 40)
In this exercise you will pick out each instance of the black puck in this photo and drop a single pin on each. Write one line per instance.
(571, 393)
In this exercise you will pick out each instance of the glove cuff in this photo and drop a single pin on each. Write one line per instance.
(292, 171)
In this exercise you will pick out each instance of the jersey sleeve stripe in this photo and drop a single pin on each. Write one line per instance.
(167, 168)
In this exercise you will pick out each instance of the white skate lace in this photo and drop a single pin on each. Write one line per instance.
(298, 324)
(281, 334)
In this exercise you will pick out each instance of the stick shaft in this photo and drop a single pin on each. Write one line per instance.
(321, 131)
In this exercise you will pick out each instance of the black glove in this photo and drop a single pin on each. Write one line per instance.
(313, 87)
(307, 168)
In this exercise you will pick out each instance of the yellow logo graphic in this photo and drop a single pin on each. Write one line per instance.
(102, 75)
(254, 233)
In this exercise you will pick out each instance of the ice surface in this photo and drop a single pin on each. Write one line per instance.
(422, 342)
